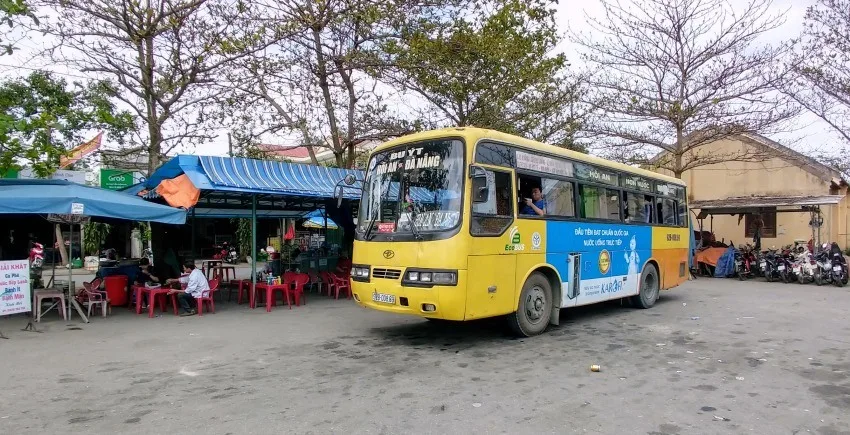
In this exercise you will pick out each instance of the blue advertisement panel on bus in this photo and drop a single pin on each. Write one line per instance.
(612, 257)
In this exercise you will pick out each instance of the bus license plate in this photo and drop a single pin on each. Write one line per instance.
(383, 298)
(781, 267)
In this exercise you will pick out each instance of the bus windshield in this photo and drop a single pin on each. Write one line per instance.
(412, 189)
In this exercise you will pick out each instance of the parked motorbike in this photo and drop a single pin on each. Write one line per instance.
(837, 265)
(787, 265)
(771, 265)
(232, 255)
(744, 261)
(807, 267)
(36, 255)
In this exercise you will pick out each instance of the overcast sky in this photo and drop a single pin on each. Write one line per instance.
(571, 15)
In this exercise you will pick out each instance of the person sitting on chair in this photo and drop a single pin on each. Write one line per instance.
(535, 205)
(194, 289)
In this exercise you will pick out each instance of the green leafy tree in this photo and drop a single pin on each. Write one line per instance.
(166, 55)
(313, 84)
(490, 67)
(42, 118)
(11, 11)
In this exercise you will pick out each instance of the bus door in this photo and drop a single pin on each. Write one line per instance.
(491, 265)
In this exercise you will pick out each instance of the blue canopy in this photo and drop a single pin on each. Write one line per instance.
(282, 189)
(241, 175)
(22, 196)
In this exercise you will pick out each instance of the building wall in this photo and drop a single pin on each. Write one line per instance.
(773, 177)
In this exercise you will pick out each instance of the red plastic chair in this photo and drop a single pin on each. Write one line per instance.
(314, 279)
(91, 295)
(341, 284)
(207, 297)
(328, 280)
(298, 284)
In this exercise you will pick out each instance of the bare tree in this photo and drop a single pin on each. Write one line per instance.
(314, 83)
(671, 76)
(822, 64)
(165, 55)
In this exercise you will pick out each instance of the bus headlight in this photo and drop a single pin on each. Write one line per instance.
(360, 273)
(429, 277)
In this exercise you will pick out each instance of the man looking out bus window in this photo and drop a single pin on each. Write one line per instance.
(535, 205)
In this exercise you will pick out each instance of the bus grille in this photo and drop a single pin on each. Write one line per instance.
(386, 273)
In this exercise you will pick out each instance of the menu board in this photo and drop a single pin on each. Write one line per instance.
(15, 287)
(544, 164)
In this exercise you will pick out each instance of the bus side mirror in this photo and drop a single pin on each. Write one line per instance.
(480, 189)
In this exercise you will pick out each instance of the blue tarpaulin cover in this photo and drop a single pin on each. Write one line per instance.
(21, 196)
(726, 264)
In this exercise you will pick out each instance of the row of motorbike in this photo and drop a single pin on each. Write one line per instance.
(793, 264)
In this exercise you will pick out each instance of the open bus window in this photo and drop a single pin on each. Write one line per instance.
(493, 216)
(599, 203)
(637, 208)
(530, 188)
(667, 211)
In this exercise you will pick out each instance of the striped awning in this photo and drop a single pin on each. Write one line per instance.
(271, 176)
(251, 176)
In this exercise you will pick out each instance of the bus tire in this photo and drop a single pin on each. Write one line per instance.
(650, 287)
(535, 307)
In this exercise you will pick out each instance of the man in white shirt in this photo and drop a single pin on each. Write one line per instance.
(195, 288)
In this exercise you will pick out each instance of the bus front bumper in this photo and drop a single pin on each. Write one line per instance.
(437, 302)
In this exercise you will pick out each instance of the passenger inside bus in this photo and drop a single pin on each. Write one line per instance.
(530, 196)
(535, 205)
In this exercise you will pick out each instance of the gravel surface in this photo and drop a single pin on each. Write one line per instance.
(713, 356)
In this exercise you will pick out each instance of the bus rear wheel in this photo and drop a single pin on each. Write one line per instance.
(650, 286)
(535, 307)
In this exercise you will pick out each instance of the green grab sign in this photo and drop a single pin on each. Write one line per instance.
(116, 179)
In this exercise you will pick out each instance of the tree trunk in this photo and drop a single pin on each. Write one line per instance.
(312, 154)
(60, 241)
(155, 147)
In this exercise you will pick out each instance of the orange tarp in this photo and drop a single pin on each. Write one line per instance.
(709, 256)
(179, 192)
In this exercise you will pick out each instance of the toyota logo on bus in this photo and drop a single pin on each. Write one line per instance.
(389, 254)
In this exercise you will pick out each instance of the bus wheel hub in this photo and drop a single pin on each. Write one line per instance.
(535, 304)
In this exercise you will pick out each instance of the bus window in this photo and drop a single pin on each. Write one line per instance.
(683, 214)
(599, 203)
(667, 211)
(637, 208)
(530, 196)
(559, 198)
(492, 218)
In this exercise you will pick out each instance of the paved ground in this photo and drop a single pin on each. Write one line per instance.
(712, 357)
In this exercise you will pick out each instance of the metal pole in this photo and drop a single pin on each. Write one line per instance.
(253, 245)
(193, 235)
(70, 263)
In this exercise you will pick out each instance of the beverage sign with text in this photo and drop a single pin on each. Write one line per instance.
(15, 287)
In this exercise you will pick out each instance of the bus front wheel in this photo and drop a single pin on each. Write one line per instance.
(535, 307)
(650, 286)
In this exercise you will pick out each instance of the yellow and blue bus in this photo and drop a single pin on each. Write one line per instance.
(467, 223)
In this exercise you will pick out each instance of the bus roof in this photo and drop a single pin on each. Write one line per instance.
(476, 134)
